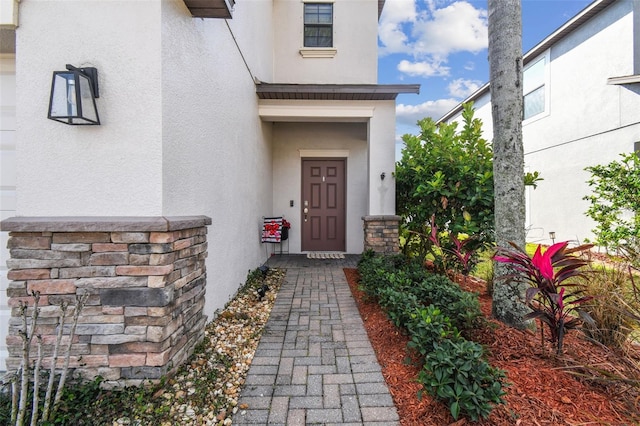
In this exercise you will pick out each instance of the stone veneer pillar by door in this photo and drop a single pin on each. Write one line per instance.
(381, 233)
(145, 280)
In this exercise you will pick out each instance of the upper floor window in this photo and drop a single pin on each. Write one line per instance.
(534, 82)
(318, 25)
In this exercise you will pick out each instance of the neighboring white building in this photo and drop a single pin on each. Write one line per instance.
(206, 108)
(582, 108)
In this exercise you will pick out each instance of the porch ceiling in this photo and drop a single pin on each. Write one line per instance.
(334, 92)
(292, 112)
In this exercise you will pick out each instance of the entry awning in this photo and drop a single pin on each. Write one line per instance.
(210, 8)
(334, 92)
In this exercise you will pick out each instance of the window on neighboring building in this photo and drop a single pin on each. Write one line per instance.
(318, 25)
(534, 80)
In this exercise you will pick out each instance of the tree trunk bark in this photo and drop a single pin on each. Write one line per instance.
(505, 71)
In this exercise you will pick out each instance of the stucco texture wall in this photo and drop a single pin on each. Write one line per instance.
(589, 122)
(324, 139)
(216, 151)
(354, 38)
(112, 169)
(180, 131)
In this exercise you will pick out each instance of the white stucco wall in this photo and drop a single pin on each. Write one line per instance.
(7, 183)
(289, 139)
(112, 169)
(354, 38)
(382, 193)
(585, 124)
(180, 132)
(216, 150)
(589, 122)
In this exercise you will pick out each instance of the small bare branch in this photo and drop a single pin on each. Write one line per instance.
(80, 301)
(54, 361)
(27, 335)
(36, 383)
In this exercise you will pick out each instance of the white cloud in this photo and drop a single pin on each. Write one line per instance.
(461, 88)
(423, 68)
(410, 114)
(458, 27)
(431, 33)
(391, 28)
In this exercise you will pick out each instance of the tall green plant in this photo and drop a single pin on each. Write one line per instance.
(446, 174)
(615, 203)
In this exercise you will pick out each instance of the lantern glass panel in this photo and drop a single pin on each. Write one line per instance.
(88, 105)
(63, 98)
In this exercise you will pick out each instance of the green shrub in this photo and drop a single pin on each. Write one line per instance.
(428, 327)
(431, 308)
(374, 274)
(456, 372)
(445, 172)
(398, 305)
(462, 307)
(615, 203)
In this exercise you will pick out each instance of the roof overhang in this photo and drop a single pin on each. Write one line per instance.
(583, 16)
(334, 92)
(210, 8)
(627, 79)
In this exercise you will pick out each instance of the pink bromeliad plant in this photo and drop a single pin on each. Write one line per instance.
(552, 298)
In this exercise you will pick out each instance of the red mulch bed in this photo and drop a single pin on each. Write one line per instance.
(541, 391)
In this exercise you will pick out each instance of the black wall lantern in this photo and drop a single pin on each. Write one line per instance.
(73, 96)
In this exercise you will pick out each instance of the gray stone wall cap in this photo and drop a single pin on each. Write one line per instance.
(381, 217)
(177, 223)
(102, 223)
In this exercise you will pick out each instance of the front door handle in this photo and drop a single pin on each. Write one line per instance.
(305, 210)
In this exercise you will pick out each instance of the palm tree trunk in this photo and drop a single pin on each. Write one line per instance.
(505, 69)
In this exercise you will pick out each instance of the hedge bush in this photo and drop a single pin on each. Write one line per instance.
(432, 309)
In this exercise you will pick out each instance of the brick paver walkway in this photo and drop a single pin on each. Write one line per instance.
(315, 364)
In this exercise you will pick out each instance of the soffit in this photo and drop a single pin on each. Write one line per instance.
(7, 40)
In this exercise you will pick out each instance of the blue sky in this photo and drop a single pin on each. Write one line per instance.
(442, 45)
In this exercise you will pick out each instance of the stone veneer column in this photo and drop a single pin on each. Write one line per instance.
(145, 279)
(381, 233)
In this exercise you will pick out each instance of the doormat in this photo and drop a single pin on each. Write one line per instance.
(324, 255)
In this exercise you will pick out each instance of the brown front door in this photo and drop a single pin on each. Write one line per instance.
(323, 205)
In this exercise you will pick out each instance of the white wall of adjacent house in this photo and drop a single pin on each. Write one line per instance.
(180, 131)
(585, 122)
(7, 183)
(588, 121)
(352, 58)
